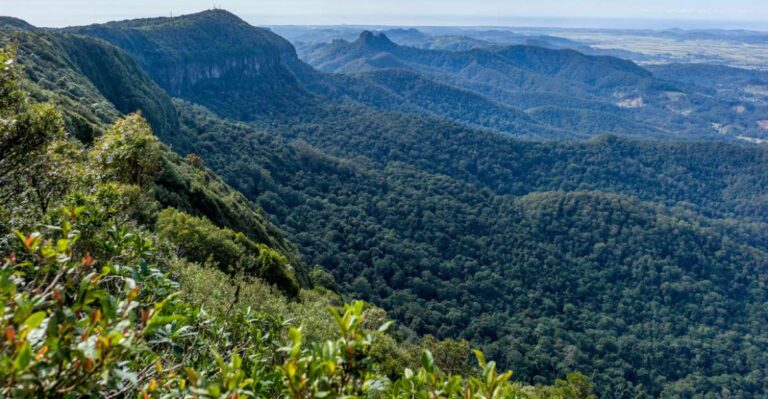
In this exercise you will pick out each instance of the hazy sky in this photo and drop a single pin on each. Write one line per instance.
(391, 12)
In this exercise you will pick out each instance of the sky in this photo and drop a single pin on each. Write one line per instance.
(748, 14)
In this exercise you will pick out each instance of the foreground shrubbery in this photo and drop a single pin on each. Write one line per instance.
(76, 325)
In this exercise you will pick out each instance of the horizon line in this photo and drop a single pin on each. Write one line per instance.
(726, 24)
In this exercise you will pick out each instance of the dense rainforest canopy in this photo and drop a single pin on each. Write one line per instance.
(108, 291)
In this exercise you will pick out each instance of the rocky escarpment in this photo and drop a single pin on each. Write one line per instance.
(196, 55)
(178, 78)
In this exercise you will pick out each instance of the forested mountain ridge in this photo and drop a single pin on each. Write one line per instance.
(597, 94)
(95, 84)
(175, 53)
(495, 88)
(549, 64)
(273, 81)
(415, 38)
(285, 86)
(10, 23)
(252, 65)
(502, 72)
(603, 256)
(104, 78)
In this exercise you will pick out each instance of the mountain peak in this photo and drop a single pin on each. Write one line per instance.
(15, 24)
(216, 16)
(374, 40)
(180, 52)
(208, 17)
(218, 13)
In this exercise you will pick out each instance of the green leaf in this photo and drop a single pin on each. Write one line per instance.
(214, 390)
(337, 317)
(480, 357)
(427, 361)
(219, 360)
(156, 322)
(294, 334)
(408, 373)
(24, 358)
(33, 321)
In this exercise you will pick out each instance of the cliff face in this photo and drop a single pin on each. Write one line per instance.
(212, 54)
(177, 79)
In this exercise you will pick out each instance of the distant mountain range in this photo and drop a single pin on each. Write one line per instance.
(498, 87)
(574, 83)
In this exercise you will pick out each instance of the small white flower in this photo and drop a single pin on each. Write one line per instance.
(9, 62)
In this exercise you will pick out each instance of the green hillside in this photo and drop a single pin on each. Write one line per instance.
(100, 81)
(667, 108)
(178, 55)
(403, 227)
(81, 76)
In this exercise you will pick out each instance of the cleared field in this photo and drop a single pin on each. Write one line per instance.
(665, 50)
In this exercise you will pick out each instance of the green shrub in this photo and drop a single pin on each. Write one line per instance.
(128, 152)
(75, 325)
(26, 131)
(201, 241)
